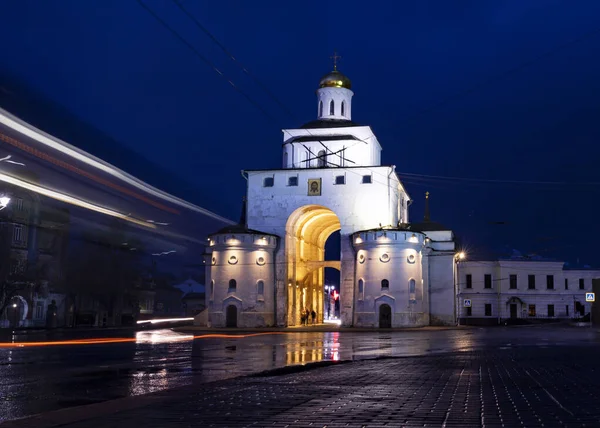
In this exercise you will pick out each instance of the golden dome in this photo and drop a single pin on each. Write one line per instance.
(335, 79)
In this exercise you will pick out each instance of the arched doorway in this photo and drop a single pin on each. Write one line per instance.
(231, 316)
(16, 312)
(385, 316)
(307, 231)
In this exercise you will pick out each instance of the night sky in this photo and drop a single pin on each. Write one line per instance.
(501, 91)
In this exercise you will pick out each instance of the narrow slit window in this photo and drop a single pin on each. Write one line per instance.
(331, 108)
(412, 290)
(343, 108)
(320, 108)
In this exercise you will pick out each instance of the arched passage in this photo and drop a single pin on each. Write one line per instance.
(307, 230)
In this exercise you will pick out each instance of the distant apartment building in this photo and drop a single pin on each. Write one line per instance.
(33, 243)
(496, 292)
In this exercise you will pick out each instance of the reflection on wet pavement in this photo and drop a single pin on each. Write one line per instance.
(34, 380)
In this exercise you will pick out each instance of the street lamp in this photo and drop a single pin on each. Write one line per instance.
(4, 201)
(457, 309)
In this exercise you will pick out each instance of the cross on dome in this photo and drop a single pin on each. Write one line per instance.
(335, 57)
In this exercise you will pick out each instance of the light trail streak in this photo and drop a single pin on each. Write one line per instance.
(62, 164)
(65, 148)
(165, 319)
(71, 200)
(112, 340)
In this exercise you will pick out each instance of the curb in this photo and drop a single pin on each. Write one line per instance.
(318, 329)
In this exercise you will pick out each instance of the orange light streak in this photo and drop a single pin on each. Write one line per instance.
(111, 340)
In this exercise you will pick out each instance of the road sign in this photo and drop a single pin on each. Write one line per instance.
(590, 297)
(467, 303)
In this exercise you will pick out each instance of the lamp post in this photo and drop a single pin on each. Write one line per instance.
(457, 258)
(4, 201)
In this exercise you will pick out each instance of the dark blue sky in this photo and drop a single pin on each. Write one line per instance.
(502, 91)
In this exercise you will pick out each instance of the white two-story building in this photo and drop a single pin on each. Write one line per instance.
(495, 292)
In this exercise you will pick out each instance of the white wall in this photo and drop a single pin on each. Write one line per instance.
(387, 255)
(500, 293)
(253, 310)
(337, 95)
(441, 288)
(365, 150)
(358, 206)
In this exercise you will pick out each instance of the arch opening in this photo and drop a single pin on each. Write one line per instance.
(307, 231)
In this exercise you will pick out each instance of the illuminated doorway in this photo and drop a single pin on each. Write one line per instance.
(307, 231)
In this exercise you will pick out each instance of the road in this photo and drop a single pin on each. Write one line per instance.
(39, 379)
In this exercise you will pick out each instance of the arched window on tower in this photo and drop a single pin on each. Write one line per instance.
(285, 159)
(322, 159)
(232, 285)
(412, 291)
(320, 108)
(260, 290)
(343, 108)
(361, 289)
(385, 284)
(331, 108)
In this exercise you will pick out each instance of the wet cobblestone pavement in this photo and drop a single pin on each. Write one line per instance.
(520, 387)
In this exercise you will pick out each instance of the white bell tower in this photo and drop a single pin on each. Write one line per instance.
(334, 97)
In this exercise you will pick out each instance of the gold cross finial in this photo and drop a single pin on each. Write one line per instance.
(335, 57)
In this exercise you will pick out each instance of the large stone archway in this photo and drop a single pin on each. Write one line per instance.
(307, 230)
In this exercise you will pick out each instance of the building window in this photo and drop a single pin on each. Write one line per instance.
(268, 182)
(385, 284)
(550, 282)
(566, 284)
(232, 285)
(320, 108)
(19, 204)
(343, 108)
(18, 233)
(567, 309)
(39, 310)
(340, 179)
(531, 312)
(550, 310)
(469, 281)
(322, 159)
(412, 290)
(331, 108)
(581, 284)
(469, 311)
(487, 279)
(212, 289)
(260, 290)
(513, 282)
(488, 309)
(531, 282)
(292, 181)
(366, 179)
(361, 288)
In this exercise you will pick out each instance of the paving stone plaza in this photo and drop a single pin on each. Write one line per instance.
(515, 387)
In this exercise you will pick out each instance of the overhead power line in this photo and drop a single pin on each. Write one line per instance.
(233, 58)
(204, 59)
(413, 176)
